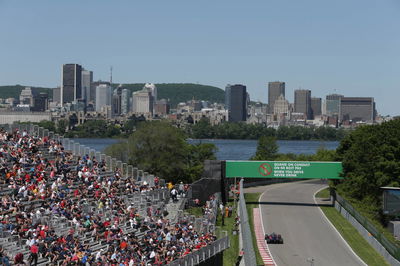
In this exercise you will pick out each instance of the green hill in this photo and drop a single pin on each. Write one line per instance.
(175, 92)
(182, 92)
(13, 91)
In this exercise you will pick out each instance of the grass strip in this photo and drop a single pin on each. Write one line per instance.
(359, 245)
(253, 197)
(231, 254)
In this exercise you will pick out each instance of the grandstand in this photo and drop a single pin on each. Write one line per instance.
(65, 204)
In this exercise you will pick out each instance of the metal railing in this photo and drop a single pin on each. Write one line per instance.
(249, 255)
(387, 244)
(203, 254)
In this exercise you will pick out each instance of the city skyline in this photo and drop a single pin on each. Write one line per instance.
(346, 52)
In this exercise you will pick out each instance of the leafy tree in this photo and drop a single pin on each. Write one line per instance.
(267, 148)
(161, 149)
(371, 159)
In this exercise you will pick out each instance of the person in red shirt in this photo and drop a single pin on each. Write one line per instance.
(34, 255)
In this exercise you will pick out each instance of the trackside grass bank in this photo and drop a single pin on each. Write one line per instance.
(359, 245)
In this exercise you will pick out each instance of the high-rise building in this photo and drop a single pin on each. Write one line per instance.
(125, 101)
(116, 101)
(93, 88)
(71, 83)
(162, 107)
(27, 96)
(41, 102)
(87, 80)
(275, 89)
(332, 104)
(281, 106)
(103, 96)
(357, 109)
(316, 106)
(302, 102)
(142, 102)
(151, 88)
(57, 95)
(237, 103)
(227, 96)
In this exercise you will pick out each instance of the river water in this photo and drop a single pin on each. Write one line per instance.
(233, 149)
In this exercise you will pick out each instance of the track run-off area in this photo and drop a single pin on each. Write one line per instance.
(290, 209)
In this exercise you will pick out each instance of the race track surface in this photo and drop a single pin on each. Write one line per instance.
(289, 209)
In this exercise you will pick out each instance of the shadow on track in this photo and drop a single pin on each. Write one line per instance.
(328, 204)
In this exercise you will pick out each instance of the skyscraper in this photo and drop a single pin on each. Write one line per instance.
(71, 83)
(103, 96)
(142, 102)
(125, 101)
(237, 102)
(332, 104)
(275, 89)
(87, 80)
(316, 106)
(357, 109)
(302, 102)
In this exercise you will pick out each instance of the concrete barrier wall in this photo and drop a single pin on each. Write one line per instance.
(367, 236)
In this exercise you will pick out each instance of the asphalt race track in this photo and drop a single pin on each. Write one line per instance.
(289, 209)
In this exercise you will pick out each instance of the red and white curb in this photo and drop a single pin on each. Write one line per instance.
(261, 243)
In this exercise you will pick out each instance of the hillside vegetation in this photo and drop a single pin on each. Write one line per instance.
(13, 91)
(175, 92)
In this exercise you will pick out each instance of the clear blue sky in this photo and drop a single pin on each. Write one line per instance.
(352, 47)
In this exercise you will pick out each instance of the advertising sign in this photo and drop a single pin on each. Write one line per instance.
(274, 169)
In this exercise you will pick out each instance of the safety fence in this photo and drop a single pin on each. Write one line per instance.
(203, 254)
(381, 240)
(249, 255)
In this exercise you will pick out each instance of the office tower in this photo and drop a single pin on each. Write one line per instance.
(71, 83)
(103, 96)
(125, 101)
(227, 96)
(275, 89)
(116, 101)
(41, 102)
(332, 104)
(237, 102)
(162, 107)
(28, 95)
(302, 102)
(142, 102)
(151, 88)
(316, 106)
(87, 80)
(281, 106)
(357, 109)
(57, 95)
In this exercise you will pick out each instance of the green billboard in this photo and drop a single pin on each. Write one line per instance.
(274, 169)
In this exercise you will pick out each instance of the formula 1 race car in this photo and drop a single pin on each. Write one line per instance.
(273, 239)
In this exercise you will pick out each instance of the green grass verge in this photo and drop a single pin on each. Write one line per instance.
(323, 193)
(253, 197)
(359, 245)
(230, 254)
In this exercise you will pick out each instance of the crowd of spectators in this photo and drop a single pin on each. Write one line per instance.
(39, 179)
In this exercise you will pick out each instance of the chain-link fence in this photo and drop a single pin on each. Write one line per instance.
(388, 245)
(249, 255)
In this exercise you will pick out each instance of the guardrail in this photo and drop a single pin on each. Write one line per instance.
(388, 245)
(203, 254)
(249, 255)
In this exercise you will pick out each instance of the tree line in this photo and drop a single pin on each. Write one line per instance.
(228, 130)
